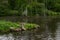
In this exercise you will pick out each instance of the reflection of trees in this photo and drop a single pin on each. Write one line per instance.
(52, 28)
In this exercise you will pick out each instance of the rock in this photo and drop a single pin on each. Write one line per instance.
(37, 26)
(23, 28)
(13, 29)
(17, 29)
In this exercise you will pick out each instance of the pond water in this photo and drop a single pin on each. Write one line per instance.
(49, 30)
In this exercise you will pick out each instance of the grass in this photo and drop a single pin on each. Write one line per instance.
(30, 26)
(5, 25)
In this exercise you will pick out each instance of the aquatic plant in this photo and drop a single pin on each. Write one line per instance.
(6, 26)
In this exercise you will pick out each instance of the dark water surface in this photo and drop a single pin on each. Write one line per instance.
(49, 29)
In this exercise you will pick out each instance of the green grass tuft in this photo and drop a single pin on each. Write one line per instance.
(5, 25)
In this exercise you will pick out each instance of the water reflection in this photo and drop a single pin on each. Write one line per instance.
(58, 31)
(49, 30)
(53, 28)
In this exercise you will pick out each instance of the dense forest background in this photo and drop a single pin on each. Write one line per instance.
(33, 7)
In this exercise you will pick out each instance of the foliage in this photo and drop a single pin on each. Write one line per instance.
(17, 7)
(35, 8)
(30, 26)
(51, 13)
(5, 25)
(53, 5)
(12, 4)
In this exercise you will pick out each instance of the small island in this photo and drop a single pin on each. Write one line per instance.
(6, 26)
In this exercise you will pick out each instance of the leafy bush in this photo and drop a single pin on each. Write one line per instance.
(51, 13)
(17, 7)
(35, 8)
(53, 5)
